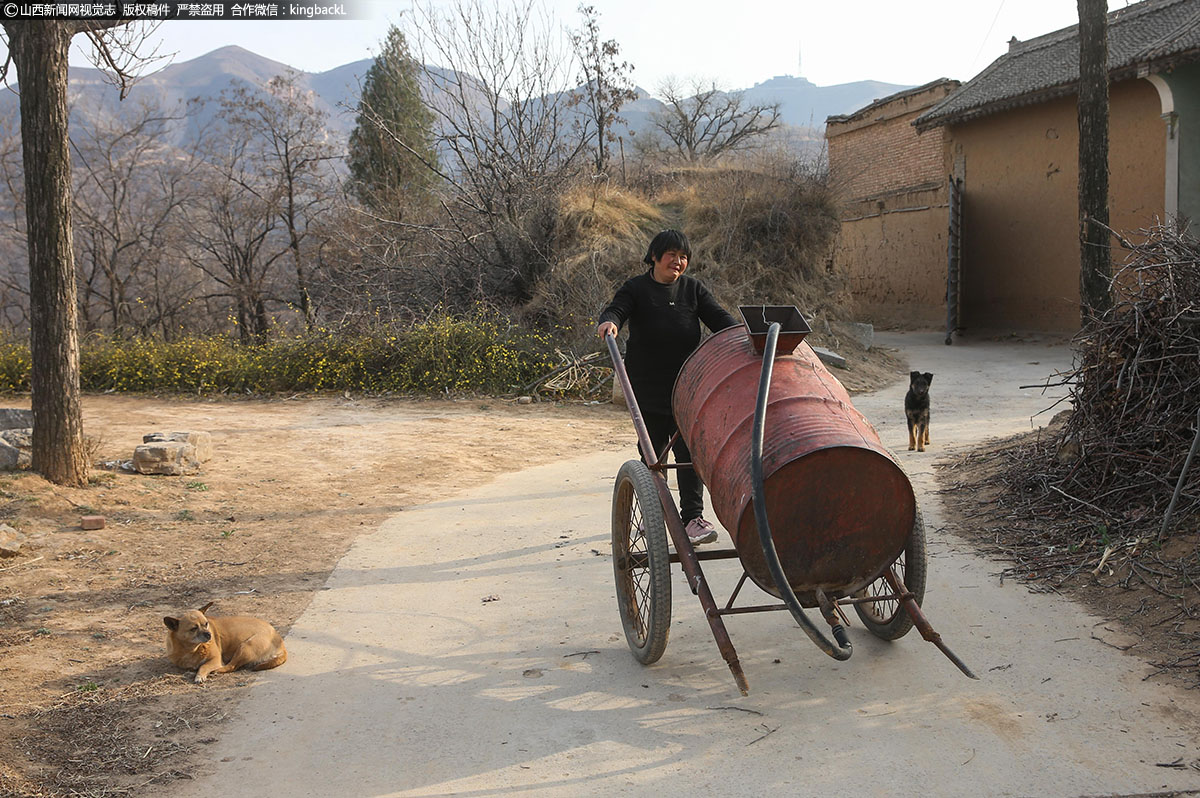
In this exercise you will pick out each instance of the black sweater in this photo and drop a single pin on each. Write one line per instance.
(664, 328)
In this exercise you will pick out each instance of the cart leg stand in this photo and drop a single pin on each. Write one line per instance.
(922, 623)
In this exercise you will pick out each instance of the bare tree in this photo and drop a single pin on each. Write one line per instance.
(373, 268)
(606, 83)
(502, 130)
(39, 51)
(130, 189)
(701, 121)
(235, 231)
(14, 246)
(294, 153)
(1095, 267)
(267, 171)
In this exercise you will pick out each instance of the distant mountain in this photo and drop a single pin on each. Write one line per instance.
(170, 88)
(803, 104)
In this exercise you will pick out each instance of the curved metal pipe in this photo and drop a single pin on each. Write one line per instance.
(842, 649)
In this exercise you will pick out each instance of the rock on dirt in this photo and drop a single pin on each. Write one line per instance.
(10, 541)
(167, 458)
(201, 441)
(15, 418)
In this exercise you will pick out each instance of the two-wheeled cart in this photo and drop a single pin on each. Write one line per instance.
(820, 512)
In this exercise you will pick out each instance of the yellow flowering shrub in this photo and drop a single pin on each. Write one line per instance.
(14, 365)
(481, 353)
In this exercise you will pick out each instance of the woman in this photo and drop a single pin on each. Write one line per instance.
(664, 309)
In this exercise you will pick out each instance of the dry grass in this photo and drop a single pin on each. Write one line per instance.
(603, 232)
(122, 739)
(761, 233)
(602, 214)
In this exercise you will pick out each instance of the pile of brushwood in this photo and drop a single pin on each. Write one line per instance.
(1108, 494)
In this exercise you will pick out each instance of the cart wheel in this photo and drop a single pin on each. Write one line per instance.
(641, 563)
(888, 620)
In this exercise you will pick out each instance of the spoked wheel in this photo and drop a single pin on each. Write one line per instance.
(641, 563)
(887, 619)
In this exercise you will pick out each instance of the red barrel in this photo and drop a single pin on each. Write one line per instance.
(840, 507)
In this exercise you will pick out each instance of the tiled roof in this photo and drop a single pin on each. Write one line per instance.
(1143, 38)
(866, 111)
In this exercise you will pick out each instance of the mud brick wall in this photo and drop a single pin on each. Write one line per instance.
(877, 151)
(890, 183)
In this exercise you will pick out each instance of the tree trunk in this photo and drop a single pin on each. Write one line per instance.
(39, 51)
(310, 319)
(1095, 265)
(243, 318)
(262, 322)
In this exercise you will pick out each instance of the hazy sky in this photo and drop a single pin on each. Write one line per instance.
(736, 42)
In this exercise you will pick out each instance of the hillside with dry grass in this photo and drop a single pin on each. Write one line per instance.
(761, 233)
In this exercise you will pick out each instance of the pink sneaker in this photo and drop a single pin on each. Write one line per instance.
(700, 531)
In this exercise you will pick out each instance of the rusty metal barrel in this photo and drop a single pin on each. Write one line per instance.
(839, 506)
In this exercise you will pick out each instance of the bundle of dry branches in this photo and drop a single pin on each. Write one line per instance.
(1135, 394)
(585, 377)
(1091, 494)
(1117, 459)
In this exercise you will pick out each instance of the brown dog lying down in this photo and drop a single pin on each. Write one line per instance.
(221, 645)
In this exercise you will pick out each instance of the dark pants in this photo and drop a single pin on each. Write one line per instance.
(661, 427)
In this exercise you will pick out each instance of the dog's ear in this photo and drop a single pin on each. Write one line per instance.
(929, 376)
(171, 623)
(204, 609)
(912, 375)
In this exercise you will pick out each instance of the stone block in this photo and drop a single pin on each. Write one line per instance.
(10, 456)
(10, 541)
(20, 439)
(618, 396)
(171, 458)
(862, 334)
(202, 441)
(15, 418)
(91, 522)
(830, 358)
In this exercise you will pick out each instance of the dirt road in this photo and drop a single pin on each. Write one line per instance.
(471, 646)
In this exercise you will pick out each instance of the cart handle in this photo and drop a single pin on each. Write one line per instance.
(649, 456)
(683, 546)
(841, 650)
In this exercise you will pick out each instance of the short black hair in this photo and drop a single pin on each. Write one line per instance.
(666, 241)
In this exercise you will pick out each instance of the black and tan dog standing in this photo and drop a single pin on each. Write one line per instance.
(916, 409)
(221, 645)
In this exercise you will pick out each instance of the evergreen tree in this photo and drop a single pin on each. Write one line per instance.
(392, 157)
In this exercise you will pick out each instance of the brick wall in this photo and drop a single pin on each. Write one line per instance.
(877, 151)
(885, 158)
(890, 183)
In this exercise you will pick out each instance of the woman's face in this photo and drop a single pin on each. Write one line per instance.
(670, 266)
